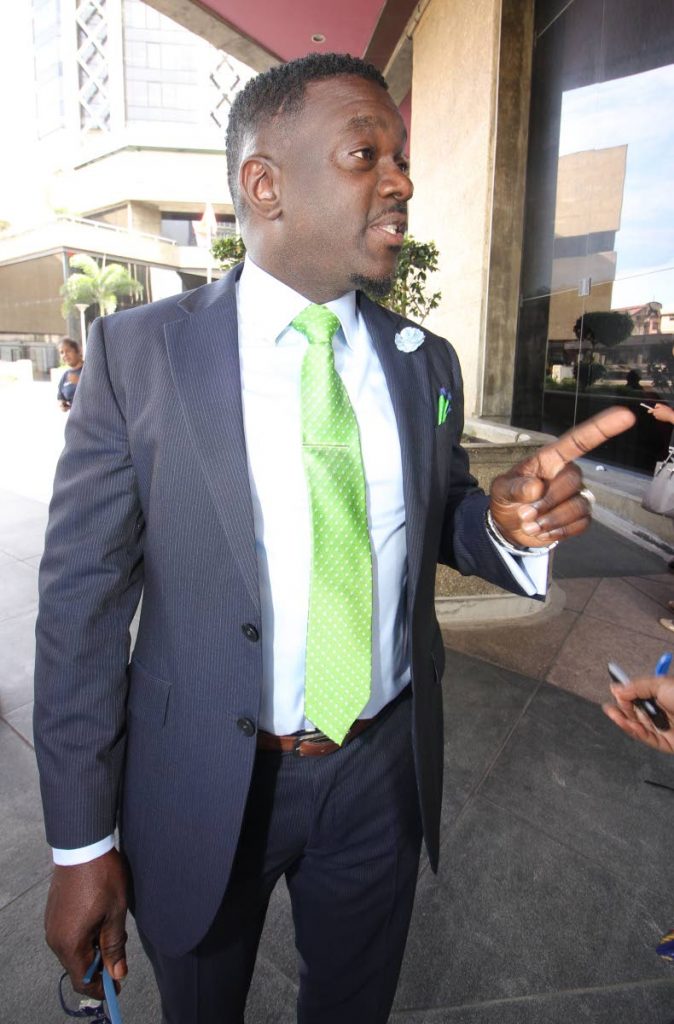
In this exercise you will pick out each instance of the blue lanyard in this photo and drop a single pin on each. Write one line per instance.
(96, 1014)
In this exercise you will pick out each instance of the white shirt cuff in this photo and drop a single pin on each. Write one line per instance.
(530, 571)
(529, 568)
(84, 854)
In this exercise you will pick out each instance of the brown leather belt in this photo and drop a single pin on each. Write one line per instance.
(316, 744)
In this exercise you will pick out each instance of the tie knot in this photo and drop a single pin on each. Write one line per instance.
(317, 323)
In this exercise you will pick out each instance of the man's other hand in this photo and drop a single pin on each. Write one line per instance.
(539, 500)
(635, 722)
(86, 907)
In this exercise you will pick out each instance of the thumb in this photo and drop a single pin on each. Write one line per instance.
(112, 943)
(515, 488)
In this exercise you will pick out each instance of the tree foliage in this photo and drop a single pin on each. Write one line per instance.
(607, 328)
(92, 284)
(408, 296)
(228, 250)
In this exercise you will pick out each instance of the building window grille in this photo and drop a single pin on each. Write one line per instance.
(93, 65)
(226, 81)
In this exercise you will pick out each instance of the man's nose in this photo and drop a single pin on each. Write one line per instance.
(396, 182)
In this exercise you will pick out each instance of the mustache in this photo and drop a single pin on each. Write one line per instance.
(398, 207)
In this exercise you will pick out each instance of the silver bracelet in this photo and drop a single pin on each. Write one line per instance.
(514, 549)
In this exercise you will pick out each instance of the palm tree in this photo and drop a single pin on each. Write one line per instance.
(102, 285)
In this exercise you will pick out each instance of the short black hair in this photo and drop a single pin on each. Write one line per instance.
(282, 90)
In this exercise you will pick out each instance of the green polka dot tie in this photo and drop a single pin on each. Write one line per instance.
(339, 627)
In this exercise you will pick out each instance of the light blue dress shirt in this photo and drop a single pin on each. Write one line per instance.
(271, 353)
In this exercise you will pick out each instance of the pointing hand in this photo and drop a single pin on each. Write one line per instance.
(539, 500)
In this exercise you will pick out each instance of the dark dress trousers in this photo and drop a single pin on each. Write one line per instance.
(152, 495)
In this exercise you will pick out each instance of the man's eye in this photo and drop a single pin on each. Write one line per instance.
(365, 153)
(404, 165)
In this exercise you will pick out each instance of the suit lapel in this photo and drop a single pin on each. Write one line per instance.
(203, 354)
(408, 384)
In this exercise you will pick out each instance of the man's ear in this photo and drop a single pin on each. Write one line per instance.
(259, 183)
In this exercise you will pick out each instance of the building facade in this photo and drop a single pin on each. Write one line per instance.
(541, 144)
(130, 111)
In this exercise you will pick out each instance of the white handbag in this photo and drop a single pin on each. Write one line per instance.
(659, 495)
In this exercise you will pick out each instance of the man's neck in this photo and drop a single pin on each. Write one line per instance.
(312, 291)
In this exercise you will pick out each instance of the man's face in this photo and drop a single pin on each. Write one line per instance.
(344, 190)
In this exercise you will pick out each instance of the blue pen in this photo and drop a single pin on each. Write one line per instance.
(665, 948)
(664, 661)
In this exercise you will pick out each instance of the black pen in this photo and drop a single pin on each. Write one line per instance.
(648, 705)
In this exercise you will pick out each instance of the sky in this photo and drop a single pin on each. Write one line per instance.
(636, 111)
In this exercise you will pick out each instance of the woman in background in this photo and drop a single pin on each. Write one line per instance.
(71, 354)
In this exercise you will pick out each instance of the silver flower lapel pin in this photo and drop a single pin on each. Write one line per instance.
(409, 339)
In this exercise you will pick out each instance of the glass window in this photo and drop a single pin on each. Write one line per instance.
(135, 54)
(48, 67)
(598, 261)
(178, 227)
(136, 93)
(181, 226)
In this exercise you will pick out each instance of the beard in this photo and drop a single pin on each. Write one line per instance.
(375, 287)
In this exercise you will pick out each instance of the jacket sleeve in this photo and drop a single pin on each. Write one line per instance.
(90, 584)
(465, 544)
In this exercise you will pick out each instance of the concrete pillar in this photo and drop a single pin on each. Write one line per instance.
(471, 69)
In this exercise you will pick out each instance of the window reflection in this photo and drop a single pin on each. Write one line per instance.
(613, 243)
(625, 127)
(598, 267)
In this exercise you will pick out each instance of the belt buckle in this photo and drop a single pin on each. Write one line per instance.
(308, 736)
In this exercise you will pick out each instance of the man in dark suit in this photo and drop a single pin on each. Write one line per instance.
(184, 478)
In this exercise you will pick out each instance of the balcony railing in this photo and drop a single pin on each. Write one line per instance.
(223, 229)
(103, 226)
(87, 222)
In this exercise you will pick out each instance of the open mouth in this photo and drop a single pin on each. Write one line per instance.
(394, 230)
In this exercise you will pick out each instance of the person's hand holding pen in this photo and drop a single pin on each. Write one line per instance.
(628, 712)
(660, 411)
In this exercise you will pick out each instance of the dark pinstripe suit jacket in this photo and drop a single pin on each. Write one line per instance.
(152, 495)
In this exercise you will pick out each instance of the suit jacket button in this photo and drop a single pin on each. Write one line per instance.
(246, 726)
(250, 632)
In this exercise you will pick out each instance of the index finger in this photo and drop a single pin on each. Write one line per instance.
(578, 441)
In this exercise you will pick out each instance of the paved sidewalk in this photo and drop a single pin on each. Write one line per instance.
(555, 883)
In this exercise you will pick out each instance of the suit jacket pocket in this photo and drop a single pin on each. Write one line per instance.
(148, 695)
